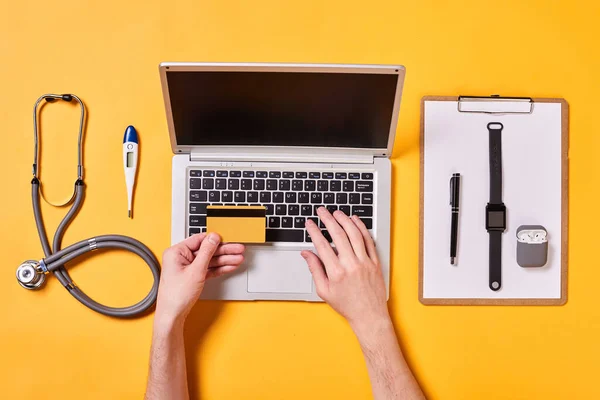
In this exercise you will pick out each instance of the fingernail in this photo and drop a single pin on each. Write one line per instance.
(213, 238)
(320, 209)
(308, 222)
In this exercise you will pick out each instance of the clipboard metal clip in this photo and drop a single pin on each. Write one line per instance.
(495, 104)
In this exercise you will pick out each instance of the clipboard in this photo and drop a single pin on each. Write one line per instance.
(496, 107)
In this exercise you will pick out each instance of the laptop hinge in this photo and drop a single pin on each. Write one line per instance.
(283, 156)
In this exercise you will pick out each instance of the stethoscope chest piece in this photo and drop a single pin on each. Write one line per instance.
(29, 275)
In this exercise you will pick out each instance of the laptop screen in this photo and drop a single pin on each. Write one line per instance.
(282, 108)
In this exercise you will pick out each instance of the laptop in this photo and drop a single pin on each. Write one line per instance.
(291, 138)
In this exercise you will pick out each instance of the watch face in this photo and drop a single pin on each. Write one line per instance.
(495, 219)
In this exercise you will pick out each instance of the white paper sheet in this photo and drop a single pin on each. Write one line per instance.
(531, 163)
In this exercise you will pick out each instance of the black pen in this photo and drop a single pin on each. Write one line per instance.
(454, 196)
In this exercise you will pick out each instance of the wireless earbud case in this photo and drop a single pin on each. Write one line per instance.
(532, 253)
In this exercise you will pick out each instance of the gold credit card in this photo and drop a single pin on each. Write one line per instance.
(240, 224)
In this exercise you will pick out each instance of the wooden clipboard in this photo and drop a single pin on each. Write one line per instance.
(564, 210)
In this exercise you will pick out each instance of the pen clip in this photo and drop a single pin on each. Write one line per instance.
(451, 188)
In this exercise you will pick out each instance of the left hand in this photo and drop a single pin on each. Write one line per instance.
(186, 267)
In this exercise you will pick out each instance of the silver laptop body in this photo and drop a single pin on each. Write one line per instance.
(291, 137)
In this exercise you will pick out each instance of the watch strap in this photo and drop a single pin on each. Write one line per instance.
(495, 142)
(495, 260)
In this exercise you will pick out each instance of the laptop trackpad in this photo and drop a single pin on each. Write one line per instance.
(281, 271)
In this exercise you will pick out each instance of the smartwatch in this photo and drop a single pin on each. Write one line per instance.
(495, 211)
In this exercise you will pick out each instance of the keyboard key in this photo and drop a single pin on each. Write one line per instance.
(305, 209)
(261, 174)
(198, 208)
(327, 175)
(208, 174)
(340, 175)
(314, 175)
(220, 183)
(271, 184)
(278, 197)
(341, 198)
(362, 186)
(280, 209)
(196, 195)
(286, 222)
(327, 236)
(252, 197)
(290, 197)
(367, 198)
(193, 231)
(246, 184)
(284, 184)
(287, 174)
(270, 209)
(203, 230)
(265, 197)
(214, 196)
(316, 207)
(293, 209)
(331, 208)
(348, 186)
(208, 183)
(195, 183)
(354, 175)
(230, 204)
(274, 222)
(285, 235)
(309, 186)
(274, 174)
(345, 210)
(239, 197)
(328, 198)
(259, 184)
(303, 197)
(256, 205)
(222, 174)
(299, 222)
(322, 186)
(220, 204)
(296, 185)
(195, 172)
(248, 174)
(316, 198)
(362, 211)
(301, 175)
(235, 174)
(313, 219)
(354, 198)
(233, 184)
(227, 196)
(368, 222)
(367, 175)
(335, 186)
(197, 220)
(321, 224)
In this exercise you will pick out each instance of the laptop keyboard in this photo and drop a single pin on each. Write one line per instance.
(290, 197)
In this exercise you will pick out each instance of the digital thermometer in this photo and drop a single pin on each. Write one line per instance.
(130, 159)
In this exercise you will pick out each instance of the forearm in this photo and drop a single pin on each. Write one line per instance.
(167, 378)
(390, 376)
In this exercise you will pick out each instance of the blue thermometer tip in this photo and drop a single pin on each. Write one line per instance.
(130, 135)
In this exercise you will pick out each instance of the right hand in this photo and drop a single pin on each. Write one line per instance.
(350, 281)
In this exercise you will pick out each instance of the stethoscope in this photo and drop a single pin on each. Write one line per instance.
(32, 274)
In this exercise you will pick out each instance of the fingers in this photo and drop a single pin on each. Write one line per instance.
(230, 248)
(207, 248)
(368, 240)
(229, 259)
(193, 242)
(322, 245)
(338, 235)
(318, 272)
(353, 233)
(216, 272)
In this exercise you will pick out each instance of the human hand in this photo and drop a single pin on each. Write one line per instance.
(351, 281)
(186, 267)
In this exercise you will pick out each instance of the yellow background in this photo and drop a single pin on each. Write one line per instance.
(108, 52)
